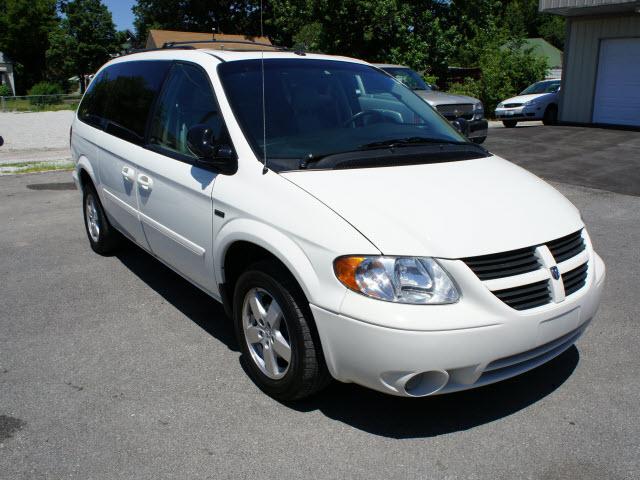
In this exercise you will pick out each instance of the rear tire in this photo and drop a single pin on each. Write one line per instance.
(509, 123)
(276, 333)
(550, 115)
(103, 238)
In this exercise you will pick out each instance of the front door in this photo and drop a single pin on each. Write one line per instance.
(174, 193)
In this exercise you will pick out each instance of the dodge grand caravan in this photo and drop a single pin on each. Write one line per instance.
(349, 231)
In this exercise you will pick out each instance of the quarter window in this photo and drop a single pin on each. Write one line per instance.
(187, 100)
(93, 103)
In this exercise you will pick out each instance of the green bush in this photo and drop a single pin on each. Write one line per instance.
(506, 71)
(5, 91)
(45, 93)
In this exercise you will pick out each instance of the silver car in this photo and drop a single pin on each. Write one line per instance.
(452, 107)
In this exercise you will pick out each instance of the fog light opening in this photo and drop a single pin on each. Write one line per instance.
(426, 383)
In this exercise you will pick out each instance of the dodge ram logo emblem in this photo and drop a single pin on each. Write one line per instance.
(555, 273)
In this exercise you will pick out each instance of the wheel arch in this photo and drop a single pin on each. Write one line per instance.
(85, 172)
(243, 242)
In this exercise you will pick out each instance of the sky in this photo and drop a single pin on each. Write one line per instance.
(121, 12)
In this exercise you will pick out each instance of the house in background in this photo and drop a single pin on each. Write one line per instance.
(157, 38)
(601, 69)
(541, 48)
(6, 73)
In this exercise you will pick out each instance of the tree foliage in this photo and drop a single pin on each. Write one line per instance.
(83, 41)
(24, 30)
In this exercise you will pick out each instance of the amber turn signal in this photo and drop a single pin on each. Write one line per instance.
(345, 269)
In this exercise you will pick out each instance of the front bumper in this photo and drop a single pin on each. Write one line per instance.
(450, 347)
(477, 128)
(524, 113)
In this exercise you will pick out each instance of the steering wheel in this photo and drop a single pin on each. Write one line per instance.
(362, 114)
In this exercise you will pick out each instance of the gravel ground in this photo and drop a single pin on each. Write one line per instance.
(35, 137)
(114, 367)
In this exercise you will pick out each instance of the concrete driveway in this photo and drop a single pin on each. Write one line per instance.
(114, 367)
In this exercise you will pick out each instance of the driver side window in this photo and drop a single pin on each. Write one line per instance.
(187, 100)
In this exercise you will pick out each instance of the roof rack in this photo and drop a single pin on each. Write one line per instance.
(186, 44)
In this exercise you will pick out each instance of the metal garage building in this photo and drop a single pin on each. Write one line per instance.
(601, 70)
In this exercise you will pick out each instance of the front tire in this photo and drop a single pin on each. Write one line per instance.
(280, 347)
(103, 238)
(509, 123)
(478, 140)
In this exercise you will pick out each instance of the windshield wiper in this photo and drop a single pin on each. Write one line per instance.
(390, 144)
(409, 141)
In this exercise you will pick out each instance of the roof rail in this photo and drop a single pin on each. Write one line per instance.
(186, 43)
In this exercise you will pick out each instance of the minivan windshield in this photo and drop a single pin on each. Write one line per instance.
(550, 86)
(317, 108)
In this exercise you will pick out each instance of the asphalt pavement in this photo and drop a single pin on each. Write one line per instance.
(114, 367)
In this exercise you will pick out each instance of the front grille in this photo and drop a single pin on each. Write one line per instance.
(512, 105)
(524, 297)
(498, 265)
(567, 247)
(575, 279)
(451, 112)
(524, 260)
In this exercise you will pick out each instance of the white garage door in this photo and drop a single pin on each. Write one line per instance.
(617, 97)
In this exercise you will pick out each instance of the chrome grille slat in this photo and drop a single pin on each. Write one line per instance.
(453, 111)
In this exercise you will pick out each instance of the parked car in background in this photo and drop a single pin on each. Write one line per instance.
(452, 107)
(536, 102)
(348, 229)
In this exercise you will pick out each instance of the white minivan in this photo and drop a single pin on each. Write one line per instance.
(349, 230)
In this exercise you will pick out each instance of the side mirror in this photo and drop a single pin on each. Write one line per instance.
(201, 143)
(461, 125)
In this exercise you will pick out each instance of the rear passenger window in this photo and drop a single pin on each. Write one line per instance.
(187, 100)
(132, 88)
(120, 98)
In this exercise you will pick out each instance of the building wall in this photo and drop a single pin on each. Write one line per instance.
(581, 60)
(549, 4)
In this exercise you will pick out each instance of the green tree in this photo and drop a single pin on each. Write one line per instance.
(24, 30)
(225, 16)
(83, 42)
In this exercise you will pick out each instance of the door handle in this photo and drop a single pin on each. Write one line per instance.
(128, 173)
(145, 182)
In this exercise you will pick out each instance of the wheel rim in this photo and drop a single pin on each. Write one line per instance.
(93, 219)
(266, 333)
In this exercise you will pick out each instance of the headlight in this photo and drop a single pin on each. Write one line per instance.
(415, 280)
(531, 102)
(500, 105)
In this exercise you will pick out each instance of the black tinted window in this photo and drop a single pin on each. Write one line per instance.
(118, 100)
(132, 88)
(93, 104)
(187, 100)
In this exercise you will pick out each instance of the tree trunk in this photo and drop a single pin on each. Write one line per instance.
(82, 85)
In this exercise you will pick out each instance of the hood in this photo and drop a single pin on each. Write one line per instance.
(447, 210)
(527, 98)
(435, 98)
